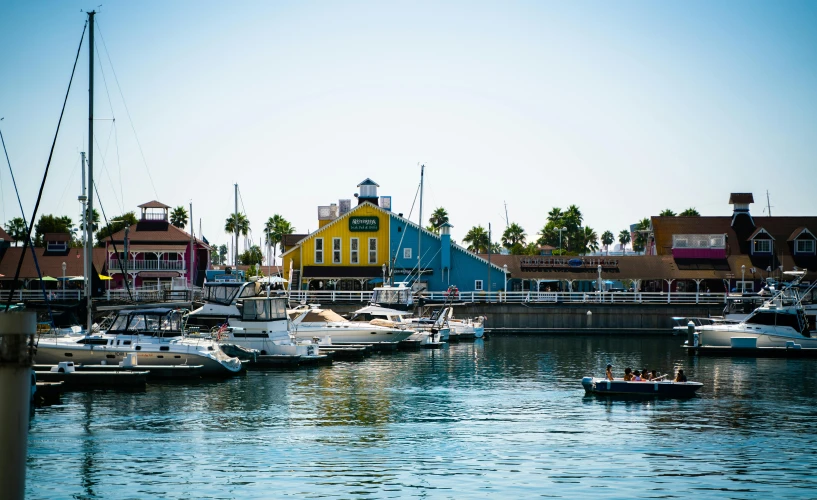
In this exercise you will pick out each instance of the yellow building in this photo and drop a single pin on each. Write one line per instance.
(347, 251)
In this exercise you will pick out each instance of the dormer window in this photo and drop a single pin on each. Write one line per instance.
(57, 246)
(804, 246)
(762, 246)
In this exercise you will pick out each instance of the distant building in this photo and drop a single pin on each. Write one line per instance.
(154, 253)
(354, 248)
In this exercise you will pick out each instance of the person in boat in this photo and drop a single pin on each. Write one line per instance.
(680, 377)
(637, 376)
(645, 375)
(654, 375)
(609, 375)
(628, 374)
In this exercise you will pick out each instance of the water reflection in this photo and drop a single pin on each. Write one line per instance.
(499, 418)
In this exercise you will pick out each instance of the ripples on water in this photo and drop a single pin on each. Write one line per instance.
(503, 418)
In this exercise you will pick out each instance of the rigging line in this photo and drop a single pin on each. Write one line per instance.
(28, 230)
(104, 81)
(113, 243)
(127, 110)
(68, 184)
(118, 163)
(42, 187)
(399, 245)
(108, 175)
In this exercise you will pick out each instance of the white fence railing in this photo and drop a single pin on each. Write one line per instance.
(327, 296)
(153, 294)
(146, 265)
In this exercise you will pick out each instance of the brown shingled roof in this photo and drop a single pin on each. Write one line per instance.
(797, 232)
(741, 198)
(291, 240)
(4, 235)
(153, 204)
(49, 265)
(171, 234)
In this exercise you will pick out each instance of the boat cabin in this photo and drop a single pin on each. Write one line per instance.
(263, 309)
(228, 292)
(157, 322)
(398, 296)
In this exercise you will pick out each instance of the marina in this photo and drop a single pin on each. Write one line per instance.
(500, 417)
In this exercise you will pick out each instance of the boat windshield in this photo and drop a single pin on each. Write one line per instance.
(156, 323)
(392, 296)
(226, 293)
(264, 309)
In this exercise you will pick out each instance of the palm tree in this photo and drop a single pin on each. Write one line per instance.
(222, 254)
(477, 239)
(240, 224)
(555, 215)
(178, 217)
(252, 256)
(275, 229)
(640, 242)
(690, 212)
(590, 240)
(17, 229)
(607, 239)
(513, 235)
(667, 213)
(624, 238)
(438, 217)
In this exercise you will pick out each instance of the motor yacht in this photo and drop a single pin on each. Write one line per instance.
(156, 335)
(780, 322)
(310, 321)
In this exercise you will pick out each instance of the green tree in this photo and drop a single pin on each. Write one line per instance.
(94, 221)
(690, 212)
(115, 225)
(589, 240)
(178, 217)
(624, 238)
(667, 213)
(52, 224)
(513, 235)
(607, 239)
(243, 224)
(438, 217)
(251, 256)
(275, 229)
(477, 239)
(640, 242)
(222, 254)
(17, 229)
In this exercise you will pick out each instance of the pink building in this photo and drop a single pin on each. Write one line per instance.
(155, 253)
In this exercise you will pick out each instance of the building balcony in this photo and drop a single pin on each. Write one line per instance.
(115, 265)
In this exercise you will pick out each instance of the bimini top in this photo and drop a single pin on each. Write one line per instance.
(155, 322)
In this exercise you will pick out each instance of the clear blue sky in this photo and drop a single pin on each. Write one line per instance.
(623, 108)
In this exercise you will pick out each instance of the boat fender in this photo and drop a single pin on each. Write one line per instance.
(656, 386)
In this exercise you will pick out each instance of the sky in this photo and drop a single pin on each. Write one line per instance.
(622, 108)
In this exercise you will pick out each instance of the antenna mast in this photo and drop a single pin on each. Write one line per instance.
(89, 215)
(768, 203)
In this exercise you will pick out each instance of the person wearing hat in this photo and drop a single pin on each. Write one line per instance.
(609, 375)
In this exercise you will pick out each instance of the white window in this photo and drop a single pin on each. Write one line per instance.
(745, 286)
(804, 246)
(478, 285)
(336, 256)
(372, 250)
(407, 253)
(762, 246)
(318, 250)
(354, 251)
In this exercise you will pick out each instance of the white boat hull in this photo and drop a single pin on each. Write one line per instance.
(766, 336)
(351, 334)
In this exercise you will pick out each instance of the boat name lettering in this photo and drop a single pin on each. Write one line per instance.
(364, 223)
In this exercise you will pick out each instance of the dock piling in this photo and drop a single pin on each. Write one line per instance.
(16, 355)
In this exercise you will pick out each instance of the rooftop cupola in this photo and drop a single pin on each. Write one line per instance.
(368, 192)
(740, 210)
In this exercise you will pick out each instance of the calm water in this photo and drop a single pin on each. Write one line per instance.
(502, 418)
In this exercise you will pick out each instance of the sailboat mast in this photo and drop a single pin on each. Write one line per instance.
(420, 230)
(192, 253)
(235, 223)
(83, 200)
(89, 244)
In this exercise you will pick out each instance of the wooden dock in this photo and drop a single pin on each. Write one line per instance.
(78, 380)
(155, 372)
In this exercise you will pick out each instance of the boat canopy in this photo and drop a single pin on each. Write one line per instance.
(227, 292)
(264, 309)
(157, 322)
(322, 316)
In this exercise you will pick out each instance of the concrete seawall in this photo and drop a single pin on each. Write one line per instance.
(573, 317)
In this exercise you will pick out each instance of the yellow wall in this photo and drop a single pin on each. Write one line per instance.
(295, 258)
(340, 229)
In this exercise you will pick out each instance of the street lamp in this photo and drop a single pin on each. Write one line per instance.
(64, 266)
(601, 284)
(384, 274)
(742, 279)
(560, 238)
(505, 270)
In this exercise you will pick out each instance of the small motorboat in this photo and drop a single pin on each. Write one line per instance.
(663, 388)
